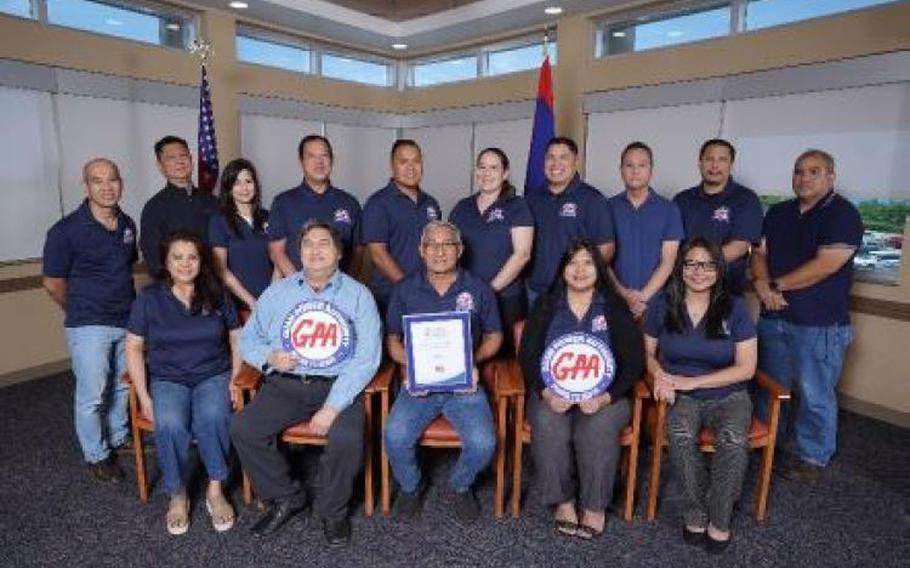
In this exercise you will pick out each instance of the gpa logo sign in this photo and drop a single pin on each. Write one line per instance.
(318, 333)
(578, 366)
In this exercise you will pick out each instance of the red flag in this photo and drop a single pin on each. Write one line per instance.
(543, 129)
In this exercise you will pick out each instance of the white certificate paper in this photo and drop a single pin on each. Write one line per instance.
(439, 351)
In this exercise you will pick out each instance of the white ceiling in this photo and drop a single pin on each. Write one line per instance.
(425, 33)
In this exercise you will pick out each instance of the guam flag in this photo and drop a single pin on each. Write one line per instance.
(543, 129)
(207, 151)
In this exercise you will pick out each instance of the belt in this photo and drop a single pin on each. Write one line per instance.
(305, 379)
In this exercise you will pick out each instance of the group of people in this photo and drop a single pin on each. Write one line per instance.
(659, 282)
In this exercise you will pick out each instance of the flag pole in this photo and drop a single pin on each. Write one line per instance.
(207, 149)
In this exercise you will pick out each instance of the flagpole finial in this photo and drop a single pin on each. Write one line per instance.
(546, 40)
(202, 49)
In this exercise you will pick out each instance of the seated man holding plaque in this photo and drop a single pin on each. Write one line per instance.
(316, 336)
(442, 322)
(580, 355)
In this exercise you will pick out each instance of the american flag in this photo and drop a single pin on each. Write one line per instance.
(208, 146)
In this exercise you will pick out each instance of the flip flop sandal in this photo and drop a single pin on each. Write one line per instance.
(565, 528)
(587, 532)
(177, 520)
(220, 521)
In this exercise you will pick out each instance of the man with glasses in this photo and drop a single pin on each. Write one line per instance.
(442, 287)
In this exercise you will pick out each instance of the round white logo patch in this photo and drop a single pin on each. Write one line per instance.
(578, 366)
(318, 333)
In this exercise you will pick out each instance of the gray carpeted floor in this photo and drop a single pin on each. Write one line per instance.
(53, 514)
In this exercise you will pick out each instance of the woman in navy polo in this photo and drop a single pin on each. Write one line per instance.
(701, 350)
(189, 329)
(498, 230)
(238, 234)
(576, 444)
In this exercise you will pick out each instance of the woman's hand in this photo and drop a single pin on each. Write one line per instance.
(145, 406)
(557, 404)
(593, 405)
(664, 387)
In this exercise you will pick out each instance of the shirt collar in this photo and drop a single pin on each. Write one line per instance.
(171, 187)
(305, 187)
(85, 213)
(393, 187)
(333, 284)
(823, 202)
(648, 199)
(573, 186)
(456, 285)
(727, 190)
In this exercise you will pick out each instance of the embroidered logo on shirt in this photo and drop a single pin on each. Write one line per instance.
(578, 366)
(599, 323)
(342, 216)
(568, 210)
(722, 214)
(496, 215)
(725, 325)
(464, 302)
(318, 333)
(431, 213)
(129, 237)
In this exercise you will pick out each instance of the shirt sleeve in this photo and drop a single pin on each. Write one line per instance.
(58, 254)
(742, 328)
(254, 339)
(359, 370)
(357, 223)
(375, 223)
(600, 221)
(654, 317)
(673, 231)
(218, 234)
(229, 311)
(150, 236)
(747, 222)
(489, 313)
(277, 229)
(395, 310)
(521, 214)
(843, 228)
(138, 321)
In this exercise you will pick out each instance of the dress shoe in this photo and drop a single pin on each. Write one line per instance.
(337, 533)
(279, 512)
(716, 546)
(799, 470)
(406, 506)
(107, 470)
(694, 538)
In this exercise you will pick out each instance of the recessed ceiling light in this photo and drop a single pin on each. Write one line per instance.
(399, 46)
(113, 22)
(238, 5)
(619, 34)
(552, 10)
(173, 27)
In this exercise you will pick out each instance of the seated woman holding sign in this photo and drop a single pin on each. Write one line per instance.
(701, 350)
(580, 355)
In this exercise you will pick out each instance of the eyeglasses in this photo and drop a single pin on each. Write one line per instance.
(704, 265)
(446, 246)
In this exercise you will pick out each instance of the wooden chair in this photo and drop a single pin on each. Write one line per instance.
(249, 381)
(441, 434)
(139, 424)
(762, 436)
(628, 438)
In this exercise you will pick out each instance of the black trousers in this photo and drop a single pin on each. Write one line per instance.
(283, 402)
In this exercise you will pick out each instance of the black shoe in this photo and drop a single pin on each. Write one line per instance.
(802, 471)
(716, 546)
(127, 448)
(279, 512)
(466, 508)
(337, 533)
(694, 538)
(107, 470)
(406, 506)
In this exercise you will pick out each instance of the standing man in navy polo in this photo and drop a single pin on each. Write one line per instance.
(179, 206)
(803, 271)
(88, 271)
(314, 199)
(721, 210)
(567, 209)
(393, 219)
(648, 231)
(442, 287)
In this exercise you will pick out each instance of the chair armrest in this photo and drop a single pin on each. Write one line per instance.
(248, 378)
(641, 390)
(383, 379)
(774, 388)
(509, 380)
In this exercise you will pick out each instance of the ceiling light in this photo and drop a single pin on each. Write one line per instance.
(675, 33)
(552, 10)
(619, 34)
(173, 27)
(238, 5)
(113, 22)
(399, 46)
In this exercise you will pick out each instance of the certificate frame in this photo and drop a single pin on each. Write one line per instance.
(463, 358)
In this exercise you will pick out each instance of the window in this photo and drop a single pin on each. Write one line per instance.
(148, 25)
(519, 58)
(445, 71)
(273, 53)
(766, 13)
(21, 8)
(350, 68)
(668, 30)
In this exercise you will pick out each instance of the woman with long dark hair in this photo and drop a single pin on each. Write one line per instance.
(580, 355)
(238, 234)
(701, 350)
(498, 230)
(184, 330)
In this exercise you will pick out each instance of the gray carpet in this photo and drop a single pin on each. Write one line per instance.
(53, 514)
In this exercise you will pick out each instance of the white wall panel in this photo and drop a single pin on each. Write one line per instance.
(361, 157)
(270, 142)
(513, 137)
(447, 162)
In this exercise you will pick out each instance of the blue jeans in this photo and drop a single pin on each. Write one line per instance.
(183, 413)
(469, 414)
(811, 359)
(101, 398)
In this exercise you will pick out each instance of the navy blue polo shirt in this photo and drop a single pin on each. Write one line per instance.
(291, 209)
(173, 209)
(734, 214)
(594, 323)
(182, 347)
(247, 252)
(487, 236)
(692, 354)
(393, 218)
(640, 234)
(793, 238)
(579, 211)
(415, 295)
(97, 264)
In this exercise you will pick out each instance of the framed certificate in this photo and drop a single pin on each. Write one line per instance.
(439, 350)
